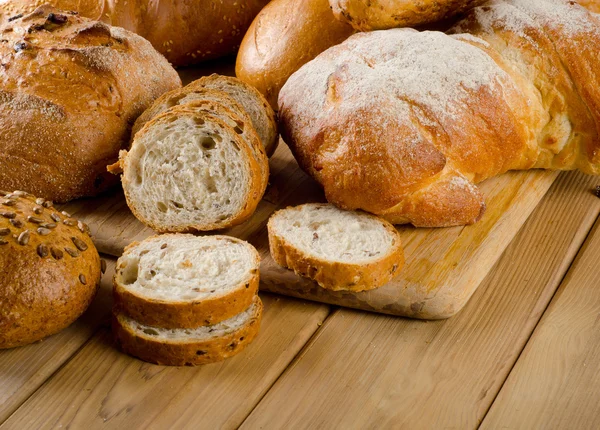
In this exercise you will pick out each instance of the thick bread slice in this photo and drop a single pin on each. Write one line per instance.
(341, 250)
(184, 281)
(188, 347)
(189, 171)
(185, 95)
(259, 109)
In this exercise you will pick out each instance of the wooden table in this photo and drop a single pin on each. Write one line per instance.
(524, 353)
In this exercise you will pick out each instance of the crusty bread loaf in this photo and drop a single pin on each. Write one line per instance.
(188, 347)
(403, 124)
(253, 102)
(186, 32)
(183, 281)
(285, 35)
(49, 269)
(70, 90)
(341, 250)
(385, 14)
(187, 170)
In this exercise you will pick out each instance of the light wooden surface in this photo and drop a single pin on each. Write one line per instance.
(438, 278)
(366, 371)
(556, 382)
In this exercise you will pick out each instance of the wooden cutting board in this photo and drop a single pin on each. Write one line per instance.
(443, 267)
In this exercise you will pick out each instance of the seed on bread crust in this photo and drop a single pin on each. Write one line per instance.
(38, 210)
(70, 222)
(47, 204)
(82, 279)
(23, 238)
(9, 215)
(43, 231)
(55, 217)
(9, 202)
(72, 252)
(17, 223)
(34, 219)
(56, 253)
(79, 244)
(42, 250)
(4, 231)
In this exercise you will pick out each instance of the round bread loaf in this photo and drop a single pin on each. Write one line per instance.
(70, 90)
(184, 31)
(49, 269)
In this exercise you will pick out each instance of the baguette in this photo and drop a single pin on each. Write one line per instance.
(188, 347)
(340, 250)
(183, 281)
(285, 35)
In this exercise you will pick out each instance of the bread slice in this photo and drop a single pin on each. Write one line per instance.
(189, 347)
(181, 96)
(184, 281)
(255, 104)
(341, 250)
(189, 171)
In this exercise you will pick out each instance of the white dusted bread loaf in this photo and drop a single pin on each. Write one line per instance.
(188, 170)
(340, 250)
(179, 347)
(184, 281)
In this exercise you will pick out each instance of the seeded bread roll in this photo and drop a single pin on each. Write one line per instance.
(188, 170)
(188, 347)
(253, 102)
(70, 90)
(49, 269)
(340, 250)
(186, 32)
(184, 281)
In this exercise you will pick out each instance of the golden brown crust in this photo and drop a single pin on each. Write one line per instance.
(592, 5)
(338, 276)
(49, 269)
(71, 89)
(385, 14)
(285, 35)
(256, 176)
(184, 314)
(189, 353)
(184, 32)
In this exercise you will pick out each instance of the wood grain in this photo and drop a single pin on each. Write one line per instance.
(438, 278)
(101, 387)
(23, 370)
(368, 371)
(556, 382)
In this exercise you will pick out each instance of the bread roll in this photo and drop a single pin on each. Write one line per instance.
(188, 347)
(185, 32)
(49, 269)
(183, 281)
(70, 90)
(285, 35)
(340, 250)
(385, 14)
(403, 124)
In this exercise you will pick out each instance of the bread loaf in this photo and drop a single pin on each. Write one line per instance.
(338, 249)
(185, 32)
(403, 124)
(385, 14)
(188, 170)
(183, 281)
(70, 89)
(285, 35)
(49, 269)
(188, 347)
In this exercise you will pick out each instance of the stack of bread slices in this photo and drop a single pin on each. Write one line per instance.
(186, 300)
(198, 157)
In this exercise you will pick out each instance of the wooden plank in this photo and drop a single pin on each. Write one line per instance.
(101, 387)
(556, 382)
(438, 278)
(366, 371)
(23, 370)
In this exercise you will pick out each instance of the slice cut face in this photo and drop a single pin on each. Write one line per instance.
(190, 171)
(188, 347)
(341, 250)
(181, 280)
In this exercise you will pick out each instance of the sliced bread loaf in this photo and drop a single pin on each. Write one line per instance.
(188, 170)
(181, 96)
(179, 347)
(254, 103)
(341, 250)
(184, 281)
